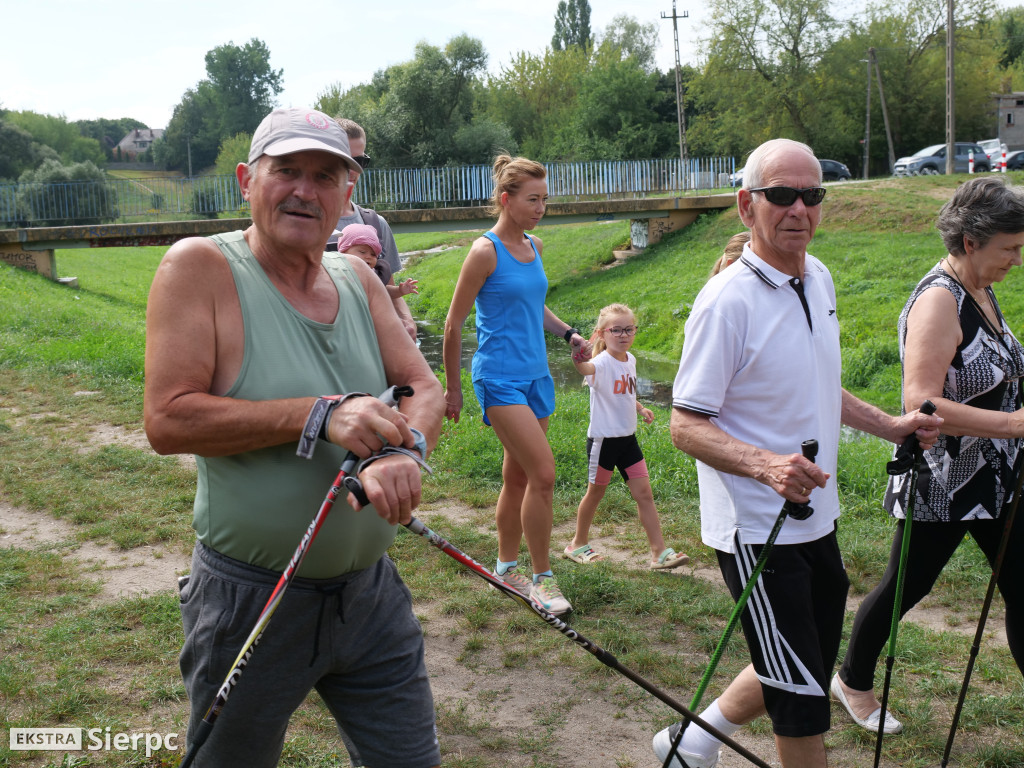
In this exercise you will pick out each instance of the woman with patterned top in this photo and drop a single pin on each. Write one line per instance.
(958, 352)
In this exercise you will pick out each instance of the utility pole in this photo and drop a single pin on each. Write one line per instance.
(680, 108)
(867, 122)
(885, 112)
(950, 98)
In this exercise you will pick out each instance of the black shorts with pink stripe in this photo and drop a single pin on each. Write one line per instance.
(605, 454)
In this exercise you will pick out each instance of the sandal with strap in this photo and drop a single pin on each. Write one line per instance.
(669, 559)
(584, 554)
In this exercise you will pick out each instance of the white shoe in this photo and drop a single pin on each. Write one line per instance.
(869, 723)
(662, 743)
(546, 594)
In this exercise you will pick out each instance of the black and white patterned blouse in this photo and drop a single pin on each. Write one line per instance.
(967, 478)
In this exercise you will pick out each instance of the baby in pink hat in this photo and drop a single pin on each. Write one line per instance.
(361, 240)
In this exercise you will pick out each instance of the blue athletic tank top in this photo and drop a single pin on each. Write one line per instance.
(510, 318)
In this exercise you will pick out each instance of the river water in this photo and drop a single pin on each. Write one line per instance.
(654, 377)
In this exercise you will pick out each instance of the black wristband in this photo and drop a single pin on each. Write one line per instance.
(568, 334)
(317, 421)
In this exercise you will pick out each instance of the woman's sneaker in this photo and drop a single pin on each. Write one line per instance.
(663, 743)
(521, 584)
(546, 594)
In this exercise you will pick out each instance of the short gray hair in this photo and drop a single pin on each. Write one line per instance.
(754, 169)
(980, 208)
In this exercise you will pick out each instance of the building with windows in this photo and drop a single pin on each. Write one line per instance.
(136, 142)
(1010, 107)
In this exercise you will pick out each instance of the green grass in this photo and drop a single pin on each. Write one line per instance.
(71, 360)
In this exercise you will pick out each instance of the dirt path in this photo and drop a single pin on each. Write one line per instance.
(589, 727)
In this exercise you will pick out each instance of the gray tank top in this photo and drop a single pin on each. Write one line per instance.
(256, 506)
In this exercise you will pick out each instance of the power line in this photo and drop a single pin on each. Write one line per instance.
(680, 109)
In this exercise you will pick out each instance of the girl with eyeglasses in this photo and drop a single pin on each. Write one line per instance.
(611, 437)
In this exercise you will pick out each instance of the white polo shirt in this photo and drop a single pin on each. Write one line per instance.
(768, 372)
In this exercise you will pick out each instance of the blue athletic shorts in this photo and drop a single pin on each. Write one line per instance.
(353, 638)
(539, 394)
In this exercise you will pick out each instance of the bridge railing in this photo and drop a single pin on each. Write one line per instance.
(161, 198)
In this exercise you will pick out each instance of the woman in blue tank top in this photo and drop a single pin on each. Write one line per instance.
(503, 276)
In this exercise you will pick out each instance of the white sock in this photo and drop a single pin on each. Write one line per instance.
(698, 741)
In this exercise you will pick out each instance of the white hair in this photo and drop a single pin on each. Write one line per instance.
(753, 171)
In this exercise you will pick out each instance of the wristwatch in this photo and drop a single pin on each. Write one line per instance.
(568, 334)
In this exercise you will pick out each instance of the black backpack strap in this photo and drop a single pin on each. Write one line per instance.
(371, 217)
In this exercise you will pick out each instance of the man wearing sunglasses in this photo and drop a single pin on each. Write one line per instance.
(760, 373)
(355, 214)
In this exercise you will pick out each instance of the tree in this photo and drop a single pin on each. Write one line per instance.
(412, 112)
(635, 40)
(1010, 24)
(572, 25)
(613, 116)
(245, 86)
(63, 137)
(77, 194)
(192, 138)
(536, 95)
(19, 152)
(108, 132)
(233, 150)
(240, 91)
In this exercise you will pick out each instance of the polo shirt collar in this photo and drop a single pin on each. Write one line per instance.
(769, 274)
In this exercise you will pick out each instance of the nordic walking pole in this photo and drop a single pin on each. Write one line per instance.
(602, 655)
(390, 398)
(1011, 513)
(809, 448)
(908, 458)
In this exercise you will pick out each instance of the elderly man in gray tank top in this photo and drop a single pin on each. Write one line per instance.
(244, 332)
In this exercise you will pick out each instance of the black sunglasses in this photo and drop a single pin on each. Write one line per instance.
(811, 196)
(363, 160)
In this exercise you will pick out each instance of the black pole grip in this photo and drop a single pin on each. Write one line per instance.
(809, 448)
(903, 461)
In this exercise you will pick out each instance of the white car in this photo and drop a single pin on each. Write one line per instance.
(993, 148)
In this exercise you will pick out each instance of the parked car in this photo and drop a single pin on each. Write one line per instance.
(831, 170)
(1015, 160)
(932, 160)
(993, 150)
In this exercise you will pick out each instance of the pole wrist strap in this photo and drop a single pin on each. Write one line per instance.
(318, 420)
(418, 453)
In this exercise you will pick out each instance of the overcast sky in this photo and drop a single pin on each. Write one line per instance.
(115, 59)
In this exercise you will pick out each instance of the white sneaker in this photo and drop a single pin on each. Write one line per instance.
(869, 723)
(546, 594)
(662, 743)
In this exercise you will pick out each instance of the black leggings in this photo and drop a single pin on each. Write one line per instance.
(931, 546)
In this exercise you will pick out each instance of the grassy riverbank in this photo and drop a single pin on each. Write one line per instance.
(71, 369)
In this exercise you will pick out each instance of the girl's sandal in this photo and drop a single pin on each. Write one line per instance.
(584, 554)
(669, 559)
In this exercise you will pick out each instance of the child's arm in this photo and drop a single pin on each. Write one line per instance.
(645, 413)
(585, 367)
(403, 288)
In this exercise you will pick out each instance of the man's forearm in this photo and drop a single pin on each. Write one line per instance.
(868, 418)
(695, 435)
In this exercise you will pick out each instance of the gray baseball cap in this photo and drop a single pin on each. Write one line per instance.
(284, 131)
